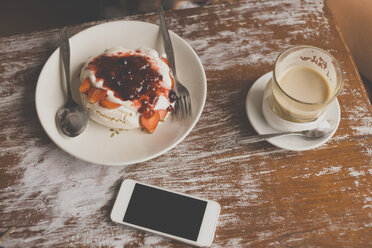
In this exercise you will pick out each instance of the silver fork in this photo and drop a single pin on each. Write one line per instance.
(183, 100)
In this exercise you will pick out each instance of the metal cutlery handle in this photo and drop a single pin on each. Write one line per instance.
(64, 47)
(167, 40)
(10, 231)
(261, 137)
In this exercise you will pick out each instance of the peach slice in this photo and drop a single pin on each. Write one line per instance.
(107, 104)
(151, 123)
(85, 86)
(95, 94)
(162, 114)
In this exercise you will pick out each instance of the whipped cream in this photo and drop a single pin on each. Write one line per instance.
(128, 114)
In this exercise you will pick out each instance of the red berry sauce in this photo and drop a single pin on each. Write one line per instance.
(131, 77)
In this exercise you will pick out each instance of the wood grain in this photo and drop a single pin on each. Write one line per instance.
(269, 197)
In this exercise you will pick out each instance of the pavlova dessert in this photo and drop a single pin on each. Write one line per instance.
(127, 89)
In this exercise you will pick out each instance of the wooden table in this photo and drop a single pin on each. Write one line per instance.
(269, 197)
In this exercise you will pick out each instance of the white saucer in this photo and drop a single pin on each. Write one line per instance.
(253, 107)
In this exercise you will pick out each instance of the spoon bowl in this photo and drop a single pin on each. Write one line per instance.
(72, 121)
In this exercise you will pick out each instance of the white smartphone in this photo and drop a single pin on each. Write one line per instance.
(174, 215)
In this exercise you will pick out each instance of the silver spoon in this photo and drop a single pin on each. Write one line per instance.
(72, 118)
(312, 134)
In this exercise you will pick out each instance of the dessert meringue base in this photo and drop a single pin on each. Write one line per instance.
(123, 118)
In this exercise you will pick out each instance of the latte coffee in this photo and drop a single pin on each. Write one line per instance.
(305, 84)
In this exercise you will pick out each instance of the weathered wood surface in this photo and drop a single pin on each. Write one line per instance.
(269, 197)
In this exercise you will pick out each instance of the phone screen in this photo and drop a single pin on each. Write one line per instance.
(165, 212)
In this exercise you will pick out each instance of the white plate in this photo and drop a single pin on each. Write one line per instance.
(95, 144)
(253, 107)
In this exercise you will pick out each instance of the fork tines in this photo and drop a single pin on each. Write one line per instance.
(183, 106)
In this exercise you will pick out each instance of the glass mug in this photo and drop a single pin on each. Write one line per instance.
(305, 81)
